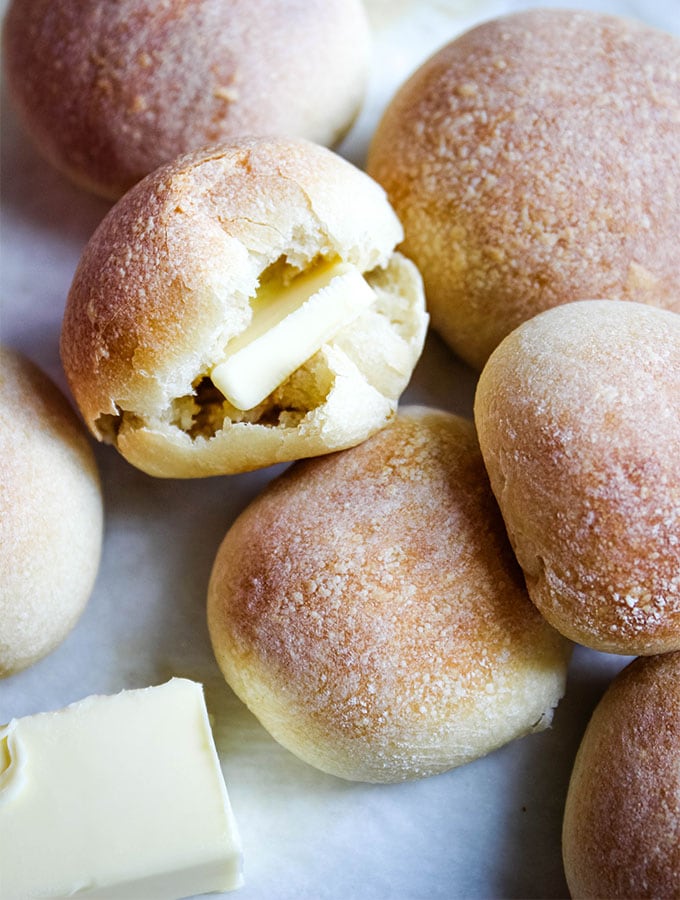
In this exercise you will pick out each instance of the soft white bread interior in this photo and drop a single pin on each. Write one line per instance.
(171, 277)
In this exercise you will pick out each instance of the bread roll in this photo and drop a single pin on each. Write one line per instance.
(533, 161)
(51, 516)
(578, 415)
(110, 91)
(369, 611)
(621, 833)
(179, 268)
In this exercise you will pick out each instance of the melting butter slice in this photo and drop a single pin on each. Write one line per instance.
(117, 797)
(288, 326)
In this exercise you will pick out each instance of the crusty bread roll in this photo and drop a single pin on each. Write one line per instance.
(621, 832)
(171, 276)
(369, 611)
(533, 161)
(578, 416)
(110, 91)
(51, 516)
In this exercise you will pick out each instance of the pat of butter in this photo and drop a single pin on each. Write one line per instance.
(118, 797)
(288, 326)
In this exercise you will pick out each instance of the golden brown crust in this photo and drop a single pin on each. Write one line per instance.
(51, 516)
(165, 282)
(533, 161)
(112, 91)
(621, 834)
(577, 416)
(368, 609)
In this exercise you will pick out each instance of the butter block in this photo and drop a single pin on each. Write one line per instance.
(289, 324)
(118, 797)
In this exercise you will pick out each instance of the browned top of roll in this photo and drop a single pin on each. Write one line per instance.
(622, 819)
(388, 519)
(368, 608)
(535, 160)
(110, 91)
(578, 419)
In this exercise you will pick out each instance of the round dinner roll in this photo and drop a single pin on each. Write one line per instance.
(533, 161)
(110, 91)
(578, 417)
(621, 831)
(193, 269)
(51, 516)
(368, 609)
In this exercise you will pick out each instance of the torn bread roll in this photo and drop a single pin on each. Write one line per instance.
(110, 91)
(243, 306)
(621, 830)
(51, 515)
(533, 161)
(368, 609)
(578, 416)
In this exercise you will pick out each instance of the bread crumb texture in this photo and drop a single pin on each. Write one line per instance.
(167, 279)
(621, 834)
(533, 161)
(368, 609)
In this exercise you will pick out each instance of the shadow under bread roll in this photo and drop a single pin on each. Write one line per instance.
(368, 609)
(242, 306)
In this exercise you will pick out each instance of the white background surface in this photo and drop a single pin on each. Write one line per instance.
(489, 829)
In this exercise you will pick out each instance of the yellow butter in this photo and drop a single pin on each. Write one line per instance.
(118, 797)
(288, 326)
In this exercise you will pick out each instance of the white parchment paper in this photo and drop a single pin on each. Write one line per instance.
(488, 829)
